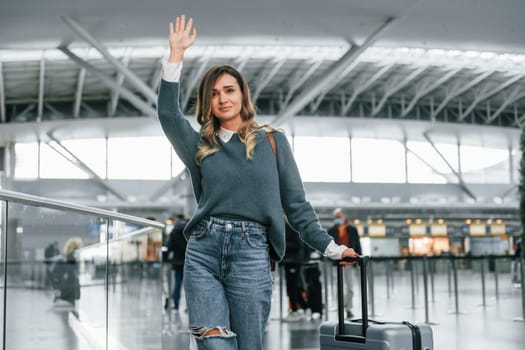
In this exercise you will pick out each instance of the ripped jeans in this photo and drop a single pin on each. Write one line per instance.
(228, 284)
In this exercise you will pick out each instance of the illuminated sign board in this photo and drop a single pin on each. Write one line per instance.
(438, 230)
(376, 230)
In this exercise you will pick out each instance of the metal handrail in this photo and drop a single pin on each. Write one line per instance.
(27, 199)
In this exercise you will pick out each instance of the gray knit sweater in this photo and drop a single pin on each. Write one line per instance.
(229, 185)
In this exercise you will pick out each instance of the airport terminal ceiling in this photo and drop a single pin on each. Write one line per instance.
(447, 61)
(452, 71)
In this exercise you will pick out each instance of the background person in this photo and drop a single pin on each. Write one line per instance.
(346, 234)
(177, 248)
(65, 273)
(292, 263)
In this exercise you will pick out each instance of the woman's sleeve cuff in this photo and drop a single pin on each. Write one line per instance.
(334, 251)
(171, 71)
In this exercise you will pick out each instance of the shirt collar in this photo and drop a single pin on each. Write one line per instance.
(225, 134)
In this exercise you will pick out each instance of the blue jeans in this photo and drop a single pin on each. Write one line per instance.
(228, 284)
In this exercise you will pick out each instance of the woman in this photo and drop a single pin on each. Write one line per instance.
(66, 272)
(242, 188)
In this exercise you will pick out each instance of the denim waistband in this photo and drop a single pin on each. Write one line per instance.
(231, 224)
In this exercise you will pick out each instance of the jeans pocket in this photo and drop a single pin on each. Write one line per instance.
(256, 240)
(198, 232)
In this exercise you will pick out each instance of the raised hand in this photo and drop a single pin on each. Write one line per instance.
(182, 36)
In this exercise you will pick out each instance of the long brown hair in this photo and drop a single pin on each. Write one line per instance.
(210, 124)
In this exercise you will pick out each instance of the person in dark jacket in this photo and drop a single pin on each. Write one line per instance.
(66, 273)
(293, 258)
(516, 261)
(177, 248)
(346, 234)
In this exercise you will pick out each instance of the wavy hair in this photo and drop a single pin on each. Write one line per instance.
(71, 245)
(210, 124)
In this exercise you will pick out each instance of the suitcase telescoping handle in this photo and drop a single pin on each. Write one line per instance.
(362, 262)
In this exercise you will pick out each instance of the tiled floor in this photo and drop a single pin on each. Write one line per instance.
(475, 326)
(137, 322)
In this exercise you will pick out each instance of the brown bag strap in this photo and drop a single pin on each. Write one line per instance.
(269, 134)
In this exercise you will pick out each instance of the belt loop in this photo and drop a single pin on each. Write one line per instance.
(243, 225)
(209, 223)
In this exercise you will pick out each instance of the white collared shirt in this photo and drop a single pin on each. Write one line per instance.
(225, 135)
(171, 71)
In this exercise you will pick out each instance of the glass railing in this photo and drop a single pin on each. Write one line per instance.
(76, 277)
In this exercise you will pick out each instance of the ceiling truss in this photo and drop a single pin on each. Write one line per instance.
(81, 85)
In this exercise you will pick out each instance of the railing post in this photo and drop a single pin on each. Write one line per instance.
(455, 276)
(4, 244)
(371, 289)
(425, 286)
(333, 289)
(387, 275)
(425, 275)
(325, 282)
(522, 282)
(483, 263)
(412, 287)
(449, 278)
(522, 272)
(496, 279)
(432, 272)
(280, 269)
(392, 279)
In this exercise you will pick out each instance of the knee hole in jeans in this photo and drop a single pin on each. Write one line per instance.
(202, 332)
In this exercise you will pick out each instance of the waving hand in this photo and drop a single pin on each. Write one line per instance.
(182, 36)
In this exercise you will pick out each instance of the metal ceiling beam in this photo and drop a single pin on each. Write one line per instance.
(128, 95)
(422, 159)
(266, 76)
(521, 120)
(41, 77)
(326, 81)
(168, 184)
(156, 77)
(22, 114)
(458, 90)
(55, 113)
(113, 102)
(78, 93)
(363, 86)
(241, 62)
(398, 86)
(462, 183)
(195, 76)
(299, 78)
(73, 159)
(90, 109)
(509, 191)
(133, 79)
(314, 105)
(2, 95)
(515, 95)
(488, 94)
(422, 92)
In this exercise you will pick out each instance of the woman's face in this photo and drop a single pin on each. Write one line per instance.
(226, 102)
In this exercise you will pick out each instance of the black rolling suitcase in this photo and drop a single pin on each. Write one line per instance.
(366, 334)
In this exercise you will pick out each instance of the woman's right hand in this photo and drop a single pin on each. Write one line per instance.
(182, 36)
